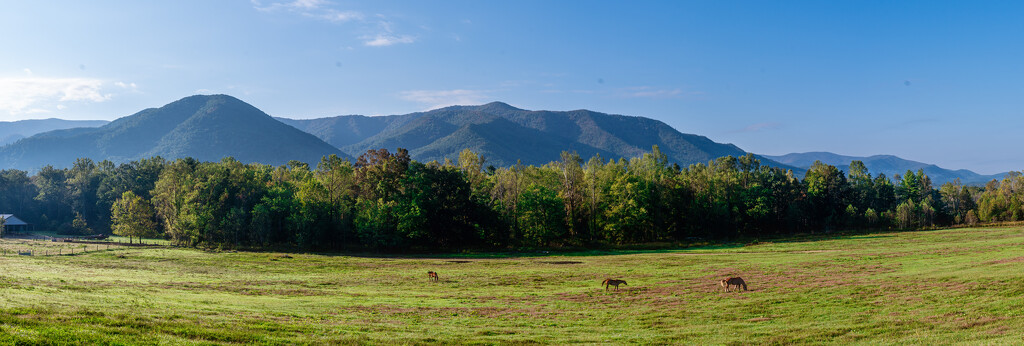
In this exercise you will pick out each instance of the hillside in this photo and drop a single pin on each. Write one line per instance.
(347, 129)
(205, 127)
(12, 131)
(504, 134)
(888, 164)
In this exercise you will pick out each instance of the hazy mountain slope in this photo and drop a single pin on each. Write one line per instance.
(58, 147)
(887, 164)
(347, 129)
(499, 141)
(536, 137)
(418, 132)
(206, 127)
(12, 131)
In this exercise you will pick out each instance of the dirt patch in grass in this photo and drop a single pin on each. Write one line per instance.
(1007, 260)
(280, 257)
(492, 332)
(455, 312)
(978, 322)
(901, 286)
(801, 277)
(663, 297)
(959, 321)
(561, 262)
(244, 288)
(1000, 330)
(459, 261)
(503, 299)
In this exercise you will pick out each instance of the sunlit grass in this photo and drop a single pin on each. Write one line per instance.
(42, 247)
(942, 287)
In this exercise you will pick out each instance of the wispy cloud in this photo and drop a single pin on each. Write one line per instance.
(33, 95)
(758, 127)
(434, 99)
(385, 36)
(386, 39)
(319, 9)
(378, 30)
(341, 16)
(132, 87)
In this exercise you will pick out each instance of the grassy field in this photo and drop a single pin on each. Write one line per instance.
(42, 247)
(934, 287)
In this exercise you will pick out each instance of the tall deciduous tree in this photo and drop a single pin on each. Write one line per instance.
(132, 216)
(826, 192)
(54, 196)
(472, 165)
(572, 192)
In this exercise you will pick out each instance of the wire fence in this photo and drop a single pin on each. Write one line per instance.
(51, 246)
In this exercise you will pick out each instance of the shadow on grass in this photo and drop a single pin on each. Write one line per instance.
(699, 246)
(650, 248)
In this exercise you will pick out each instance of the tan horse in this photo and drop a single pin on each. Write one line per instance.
(613, 282)
(432, 276)
(736, 281)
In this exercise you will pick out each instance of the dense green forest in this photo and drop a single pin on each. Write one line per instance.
(388, 202)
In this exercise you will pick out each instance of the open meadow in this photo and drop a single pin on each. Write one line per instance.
(934, 287)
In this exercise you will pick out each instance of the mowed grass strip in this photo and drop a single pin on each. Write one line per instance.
(943, 287)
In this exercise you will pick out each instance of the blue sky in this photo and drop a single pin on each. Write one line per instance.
(932, 81)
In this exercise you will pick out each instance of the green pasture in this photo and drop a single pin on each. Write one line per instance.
(43, 247)
(959, 286)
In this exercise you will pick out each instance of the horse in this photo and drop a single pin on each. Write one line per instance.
(613, 282)
(736, 281)
(432, 276)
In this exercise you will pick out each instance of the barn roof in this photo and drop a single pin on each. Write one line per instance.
(11, 220)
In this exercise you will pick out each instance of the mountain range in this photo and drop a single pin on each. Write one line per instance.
(887, 164)
(210, 127)
(205, 127)
(12, 131)
(504, 134)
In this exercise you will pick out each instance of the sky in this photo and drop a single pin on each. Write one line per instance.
(933, 81)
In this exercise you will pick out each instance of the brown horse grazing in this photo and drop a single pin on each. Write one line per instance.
(736, 281)
(613, 282)
(432, 276)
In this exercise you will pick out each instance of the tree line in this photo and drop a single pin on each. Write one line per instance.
(386, 201)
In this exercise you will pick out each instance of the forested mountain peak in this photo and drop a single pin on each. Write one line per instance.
(205, 127)
(505, 134)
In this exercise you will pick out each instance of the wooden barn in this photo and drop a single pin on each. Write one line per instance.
(14, 224)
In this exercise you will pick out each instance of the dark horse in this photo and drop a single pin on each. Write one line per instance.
(613, 282)
(736, 281)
